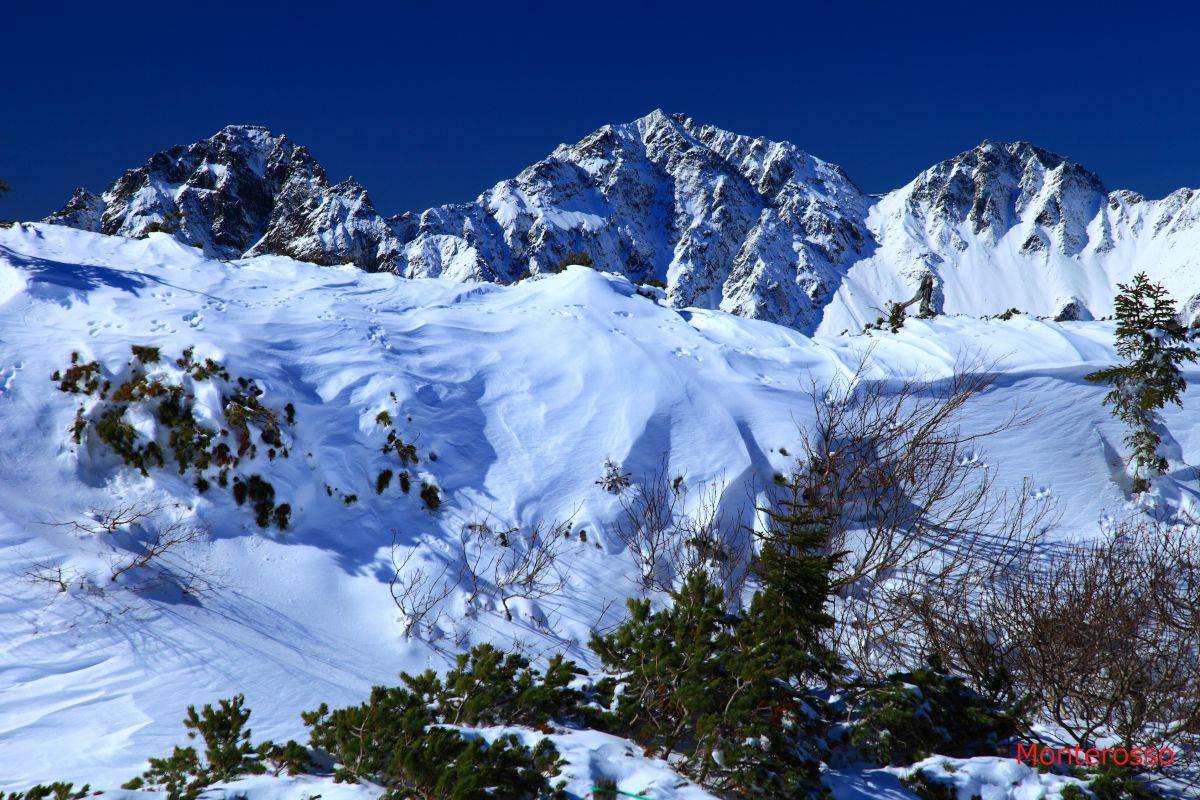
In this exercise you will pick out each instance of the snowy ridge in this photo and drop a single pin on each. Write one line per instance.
(746, 225)
(522, 391)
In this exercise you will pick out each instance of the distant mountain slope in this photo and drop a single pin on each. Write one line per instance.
(750, 226)
(1012, 225)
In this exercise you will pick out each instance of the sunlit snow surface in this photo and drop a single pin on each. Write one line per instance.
(522, 392)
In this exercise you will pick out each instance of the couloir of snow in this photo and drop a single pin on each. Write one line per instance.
(522, 392)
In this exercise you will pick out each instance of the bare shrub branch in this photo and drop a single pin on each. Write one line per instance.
(417, 592)
(511, 564)
(913, 514)
(150, 546)
(61, 580)
(161, 541)
(1101, 635)
(671, 541)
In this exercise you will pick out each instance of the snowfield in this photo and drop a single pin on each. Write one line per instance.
(522, 392)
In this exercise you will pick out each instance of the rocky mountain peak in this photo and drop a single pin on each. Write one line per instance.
(749, 225)
(241, 191)
(998, 186)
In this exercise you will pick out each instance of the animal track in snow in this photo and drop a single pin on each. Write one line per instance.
(378, 336)
(8, 375)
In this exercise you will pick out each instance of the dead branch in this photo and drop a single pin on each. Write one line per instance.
(671, 541)
(417, 592)
(913, 515)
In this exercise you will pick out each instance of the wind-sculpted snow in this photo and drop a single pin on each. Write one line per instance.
(746, 225)
(523, 392)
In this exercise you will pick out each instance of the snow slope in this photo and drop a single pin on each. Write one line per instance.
(522, 391)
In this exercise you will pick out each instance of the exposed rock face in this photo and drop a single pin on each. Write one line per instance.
(82, 211)
(1010, 225)
(242, 191)
(997, 187)
(751, 226)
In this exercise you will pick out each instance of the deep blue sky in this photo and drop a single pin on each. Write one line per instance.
(433, 102)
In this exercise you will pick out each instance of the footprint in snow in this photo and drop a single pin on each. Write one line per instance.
(625, 314)
(7, 376)
(377, 335)
(683, 352)
(195, 319)
(95, 327)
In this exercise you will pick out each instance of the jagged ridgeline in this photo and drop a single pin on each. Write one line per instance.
(748, 225)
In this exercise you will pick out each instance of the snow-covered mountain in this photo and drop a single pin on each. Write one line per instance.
(522, 391)
(750, 226)
(240, 192)
(1012, 225)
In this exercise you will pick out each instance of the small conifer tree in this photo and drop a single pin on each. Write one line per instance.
(1154, 344)
(712, 691)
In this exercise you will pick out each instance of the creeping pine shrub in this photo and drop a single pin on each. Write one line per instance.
(396, 738)
(928, 788)
(1072, 792)
(262, 494)
(146, 354)
(915, 714)
(614, 481)
(715, 692)
(406, 451)
(1117, 783)
(431, 496)
(193, 446)
(228, 754)
(54, 791)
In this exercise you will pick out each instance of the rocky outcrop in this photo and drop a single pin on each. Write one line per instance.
(243, 191)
